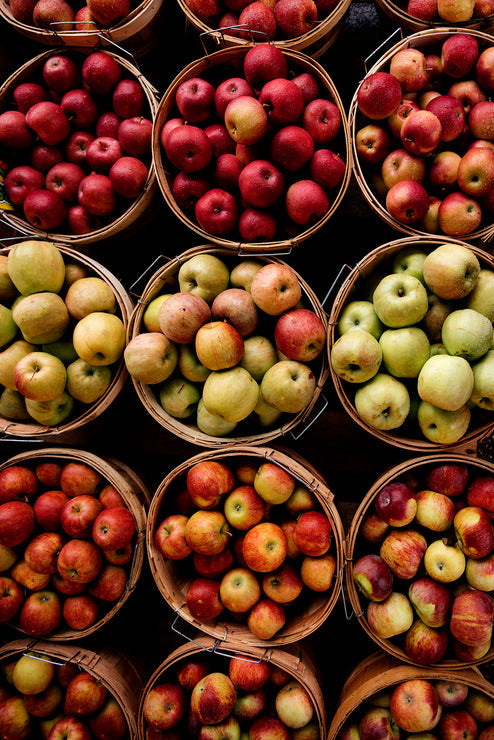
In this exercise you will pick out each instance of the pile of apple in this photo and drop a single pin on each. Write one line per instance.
(424, 562)
(232, 345)
(250, 542)
(46, 699)
(425, 137)
(434, 11)
(76, 135)
(418, 345)
(61, 15)
(434, 707)
(62, 334)
(253, 150)
(67, 539)
(203, 698)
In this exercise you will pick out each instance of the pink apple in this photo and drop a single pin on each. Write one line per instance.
(300, 334)
(76, 146)
(100, 73)
(128, 98)
(327, 168)
(102, 153)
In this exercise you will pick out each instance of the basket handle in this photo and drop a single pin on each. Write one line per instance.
(132, 581)
(386, 42)
(333, 284)
(142, 276)
(218, 34)
(348, 610)
(313, 419)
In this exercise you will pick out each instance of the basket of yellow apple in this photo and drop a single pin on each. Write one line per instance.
(231, 688)
(417, 16)
(55, 690)
(410, 344)
(245, 544)
(223, 348)
(420, 556)
(64, 319)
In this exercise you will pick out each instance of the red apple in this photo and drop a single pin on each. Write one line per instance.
(407, 201)
(264, 547)
(458, 723)
(164, 705)
(239, 590)
(203, 599)
(17, 522)
(425, 645)
(396, 504)
(188, 148)
(195, 99)
(78, 515)
(415, 705)
(101, 73)
(266, 619)
(264, 62)
(80, 611)
(217, 212)
(207, 532)
(207, 481)
(41, 613)
(79, 560)
(474, 531)
(373, 577)
(170, 539)
(283, 585)
(41, 552)
(378, 95)
(313, 533)
(44, 209)
(432, 600)
(22, 180)
(403, 549)
(472, 616)
(11, 598)
(322, 120)
(114, 528)
(306, 202)
(84, 694)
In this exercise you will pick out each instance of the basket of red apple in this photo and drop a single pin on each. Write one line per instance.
(210, 689)
(419, 16)
(420, 556)
(75, 134)
(55, 691)
(133, 24)
(264, 157)
(246, 544)
(225, 349)
(411, 343)
(310, 27)
(422, 138)
(64, 319)
(403, 700)
(72, 530)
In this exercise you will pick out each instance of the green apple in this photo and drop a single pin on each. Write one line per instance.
(481, 298)
(8, 327)
(99, 338)
(211, 424)
(190, 366)
(204, 275)
(356, 356)
(62, 348)
(434, 318)
(442, 426)
(259, 355)
(404, 351)
(467, 333)
(438, 348)
(383, 402)
(40, 376)
(51, 413)
(87, 383)
(7, 287)
(36, 267)
(288, 385)
(90, 294)
(360, 314)
(179, 397)
(13, 405)
(451, 271)
(231, 394)
(410, 260)
(400, 300)
(41, 317)
(8, 358)
(483, 382)
(150, 315)
(243, 273)
(445, 381)
(265, 414)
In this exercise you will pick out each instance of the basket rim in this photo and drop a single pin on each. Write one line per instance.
(401, 15)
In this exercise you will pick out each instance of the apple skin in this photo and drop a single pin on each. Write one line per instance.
(390, 617)
(474, 531)
(435, 511)
(207, 481)
(170, 539)
(246, 120)
(181, 315)
(472, 615)
(373, 577)
(248, 675)
(396, 504)
(273, 483)
(425, 645)
(443, 561)
(451, 693)
(12, 598)
(283, 585)
(17, 482)
(243, 507)
(15, 720)
(300, 334)
(17, 522)
(403, 549)
(239, 589)
(202, 599)
(378, 95)
(294, 705)
(407, 201)
(41, 613)
(213, 698)
(313, 533)
(218, 345)
(415, 705)
(264, 547)
(164, 705)
(450, 479)
(206, 532)
(375, 722)
(432, 600)
(275, 288)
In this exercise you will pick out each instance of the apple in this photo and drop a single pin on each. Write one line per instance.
(217, 211)
(213, 698)
(407, 201)
(25, 576)
(445, 381)
(288, 386)
(79, 560)
(207, 481)
(321, 118)
(435, 511)
(114, 528)
(15, 720)
(264, 547)
(396, 503)
(80, 611)
(294, 705)
(17, 481)
(451, 693)
(273, 483)
(441, 426)
(317, 573)
(451, 114)
(443, 561)
(164, 705)
(415, 705)
(458, 721)
(202, 599)
(12, 598)
(378, 95)
(474, 531)
(373, 143)
(390, 617)
(78, 477)
(373, 577)
(283, 585)
(478, 572)
(291, 147)
(169, 537)
(110, 719)
(41, 613)
(239, 590)
(400, 300)
(306, 201)
(84, 694)
(99, 338)
(432, 601)
(207, 532)
(459, 214)
(449, 478)
(403, 549)
(41, 552)
(218, 345)
(383, 402)
(374, 720)
(313, 533)
(261, 184)
(399, 165)
(17, 522)
(243, 507)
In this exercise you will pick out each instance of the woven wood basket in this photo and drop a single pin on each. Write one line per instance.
(414, 467)
(83, 414)
(173, 577)
(380, 672)
(314, 43)
(112, 668)
(399, 15)
(425, 41)
(296, 661)
(138, 32)
(216, 67)
(163, 281)
(133, 215)
(374, 263)
(137, 498)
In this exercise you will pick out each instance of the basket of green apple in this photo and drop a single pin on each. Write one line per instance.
(72, 531)
(63, 325)
(60, 691)
(383, 692)
(75, 137)
(411, 344)
(224, 349)
(421, 126)
(420, 556)
(214, 688)
(245, 544)
(264, 160)
(420, 16)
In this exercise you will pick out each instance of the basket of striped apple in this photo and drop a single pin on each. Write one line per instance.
(420, 16)
(430, 173)
(58, 368)
(250, 689)
(400, 360)
(245, 544)
(420, 557)
(77, 170)
(72, 541)
(264, 160)
(224, 349)
(383, 692)
(57, 691)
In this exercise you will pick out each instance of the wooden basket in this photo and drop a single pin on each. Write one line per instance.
(398, 14)
(296, 661)
(482, 424)
(401, 471)
(112, 668)
(139, 31)
(83, 415)
(314, 43)
(214, 67)
(137, 498)
(425, 41)
(173, 577)
(380, 672)
(164, 280)
(139, 209)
